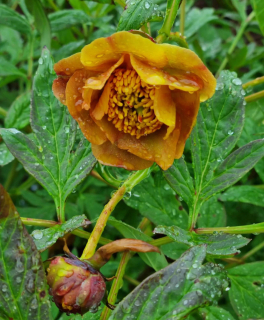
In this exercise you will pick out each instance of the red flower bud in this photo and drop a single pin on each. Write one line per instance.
(75, 286)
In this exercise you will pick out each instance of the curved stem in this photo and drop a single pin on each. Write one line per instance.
(117, 283)
(252, 228)
(182, 19)
(11, 175)
(235, 41)
(253, 83)
(127, 186)
(3, 112)
(171, 13)
(255, 96)
(253, 251)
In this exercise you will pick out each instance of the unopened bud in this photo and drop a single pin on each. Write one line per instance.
(75, 286)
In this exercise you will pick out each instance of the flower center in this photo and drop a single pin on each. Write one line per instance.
(131, 104)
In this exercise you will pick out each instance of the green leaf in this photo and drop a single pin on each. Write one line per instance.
(219, 125)
(212, 214)
(8, 69)
(174, 292)
(23, 293)
(19, 112)
(221, 244)
(180, 180)
(12, 19)
(259, 10)
(215, 313)
(45, 238)
(196, 18)
(50, 154)
(246, 194)
(137, 13)
(247, 290)
(65, 19)
(5, 155)
(156, 201)
(234, 167)
(40, 21)
(155, 260)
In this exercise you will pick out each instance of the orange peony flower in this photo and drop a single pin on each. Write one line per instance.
(135, 101)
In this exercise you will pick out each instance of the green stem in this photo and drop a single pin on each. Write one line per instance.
(117, 284)
(38, 222)
(253, 251)
(60, 208)
(30, 62)
(252, 228)
(161, 241)
(182, 18)
(253, 83)
(171, 12)
(127, 186)
(11, 175)
(49, 223)
(255, 96)
(53, 5)
(3, 112)
(122, 3)
(25, 185)
(235, 41)
(131, 280)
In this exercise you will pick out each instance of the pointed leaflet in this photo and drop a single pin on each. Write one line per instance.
(215, 313)
(47, 237)
(177, 290)
(246, 194)
(156, 201)
(219, 125)
(137, 13)
(14, 20)
(49, 155)
(19, 112)
(217, 244)
(212, 214)
(23, 287)
(247, 290)
(234, 167)
(155, 260)
(180, 180)
(5, 155)
(259, 10)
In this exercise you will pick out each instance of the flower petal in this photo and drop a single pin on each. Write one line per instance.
(164, 106)
(58, 88)
(75, 102)
(99, 81)
(153, 147)
(186, 60)
(155, 76)
(102, 106)
(108, 50)
(67, 66)
(187, 106)
(110, 155)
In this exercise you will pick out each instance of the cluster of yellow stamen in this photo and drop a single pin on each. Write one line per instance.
(131, 104)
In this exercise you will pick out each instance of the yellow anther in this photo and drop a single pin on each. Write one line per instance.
(131, 104)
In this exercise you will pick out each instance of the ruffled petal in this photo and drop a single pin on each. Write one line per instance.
(153, 75)
(187, 106)
(108, 50)
(98, 82)
(164, 107)
(153, 147)
(67, 66)
(75, 103)
(58, 88)
(110, 155)
(103, 104)
(186, 60)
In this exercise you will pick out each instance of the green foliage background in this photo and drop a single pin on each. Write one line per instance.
(64, 27)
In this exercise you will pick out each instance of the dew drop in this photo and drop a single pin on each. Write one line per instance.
(230, 133)
(237, 82)
(37, 234)
(40, 61)
(147, 5)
